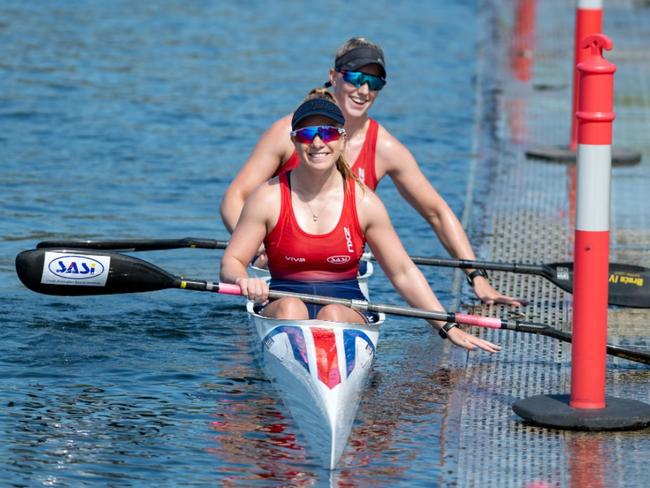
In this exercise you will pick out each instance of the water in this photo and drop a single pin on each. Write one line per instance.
(128, 119)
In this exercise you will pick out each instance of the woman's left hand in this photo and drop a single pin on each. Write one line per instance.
(464, 339)
(490, 296)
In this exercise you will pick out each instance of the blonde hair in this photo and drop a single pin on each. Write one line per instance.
(341, 163)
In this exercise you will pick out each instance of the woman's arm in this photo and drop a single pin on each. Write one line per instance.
(398, 162)
(272, 149)
(258, 215)
(402, 272)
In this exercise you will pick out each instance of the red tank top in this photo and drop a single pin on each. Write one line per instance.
(363, 167)
(296, 255)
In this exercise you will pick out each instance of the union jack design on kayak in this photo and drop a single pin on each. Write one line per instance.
(320, 370)
(329, 360)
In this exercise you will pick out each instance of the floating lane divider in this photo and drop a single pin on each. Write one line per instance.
(629, 285)
(76, 272)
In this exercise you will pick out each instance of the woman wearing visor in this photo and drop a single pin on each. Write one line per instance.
(314, 221)
(359, 73)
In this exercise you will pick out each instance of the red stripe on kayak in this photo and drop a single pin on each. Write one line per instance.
(326, 357)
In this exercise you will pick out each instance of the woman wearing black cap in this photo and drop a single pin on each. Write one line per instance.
(314, 222)
(359, 73)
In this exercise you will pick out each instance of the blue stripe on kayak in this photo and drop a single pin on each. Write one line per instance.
(297, 341)
(349, 342)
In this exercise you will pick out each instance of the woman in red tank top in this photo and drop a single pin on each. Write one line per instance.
(314, 222)
(358, 75)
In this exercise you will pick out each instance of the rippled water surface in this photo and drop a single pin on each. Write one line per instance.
(128, 119)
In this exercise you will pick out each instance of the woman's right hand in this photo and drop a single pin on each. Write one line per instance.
(254, 289)
(468, 341)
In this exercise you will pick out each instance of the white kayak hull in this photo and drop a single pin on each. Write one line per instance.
(320, 370)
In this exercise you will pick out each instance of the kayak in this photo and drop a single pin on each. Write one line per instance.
(320, 370)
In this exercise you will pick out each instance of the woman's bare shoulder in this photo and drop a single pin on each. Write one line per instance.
(267, 191)
(280, 126)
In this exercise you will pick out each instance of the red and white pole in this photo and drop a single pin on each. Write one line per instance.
(595, 116)
(589, 21)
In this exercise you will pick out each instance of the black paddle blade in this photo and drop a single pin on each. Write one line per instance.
(78, 272)
(628, 284)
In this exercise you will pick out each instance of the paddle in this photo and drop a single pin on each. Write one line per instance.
(135, 244)
(77, 272)
(629, 285)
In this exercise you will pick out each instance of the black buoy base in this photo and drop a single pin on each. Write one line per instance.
(554, 411)
(564, 154)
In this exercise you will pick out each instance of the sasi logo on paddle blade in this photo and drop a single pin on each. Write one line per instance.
(77, 269)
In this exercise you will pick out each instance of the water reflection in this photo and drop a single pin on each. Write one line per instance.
(522, 45)
(399, 414)
(588, 461)
(521, 54)
(257, 442)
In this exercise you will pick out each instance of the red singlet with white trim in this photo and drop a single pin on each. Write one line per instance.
(296, 255)
(363, 167)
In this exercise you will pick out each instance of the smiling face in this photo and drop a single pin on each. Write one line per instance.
(354, 102)
(317, 154)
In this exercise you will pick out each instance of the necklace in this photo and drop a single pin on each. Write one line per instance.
(314, 215)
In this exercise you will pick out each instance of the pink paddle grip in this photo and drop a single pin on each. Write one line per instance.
(229, 289)
(490, 322)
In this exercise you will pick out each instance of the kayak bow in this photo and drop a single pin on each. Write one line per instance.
(320, 370)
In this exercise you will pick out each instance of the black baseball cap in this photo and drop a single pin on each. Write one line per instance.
(361, 56)
(317, 106)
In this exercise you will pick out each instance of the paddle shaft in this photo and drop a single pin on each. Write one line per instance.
(469, 264)
(629, 286)
(77, 272)
(134, 245)
(459, 318)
